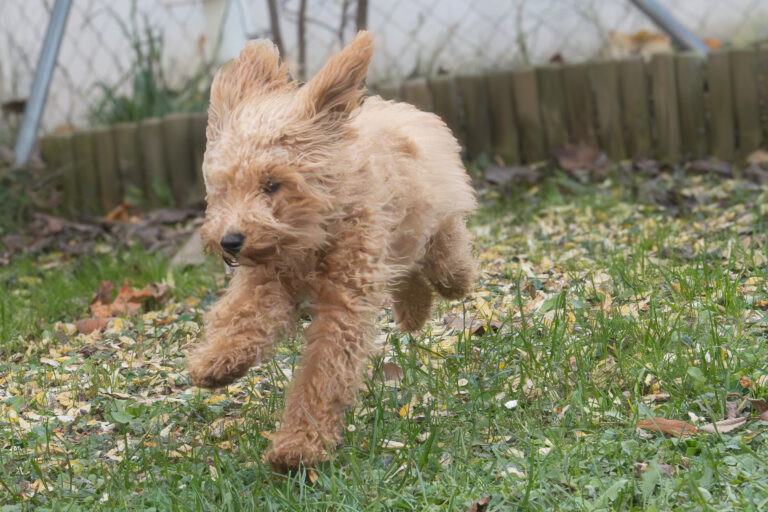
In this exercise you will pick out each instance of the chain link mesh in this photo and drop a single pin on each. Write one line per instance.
(414, 37)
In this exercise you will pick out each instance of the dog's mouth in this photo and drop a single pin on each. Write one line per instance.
(230, 259)
(250, 256)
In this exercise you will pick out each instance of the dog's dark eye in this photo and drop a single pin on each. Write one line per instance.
(270, 187)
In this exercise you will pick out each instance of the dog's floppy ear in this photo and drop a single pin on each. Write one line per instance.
(256, 69)
(336, 87)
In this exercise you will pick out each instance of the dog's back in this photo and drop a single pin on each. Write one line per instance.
(415, 157)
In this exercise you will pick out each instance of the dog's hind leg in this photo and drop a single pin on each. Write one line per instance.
(449, 264)
(412, 302)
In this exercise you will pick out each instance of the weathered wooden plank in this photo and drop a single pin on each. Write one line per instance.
(177, 133)
(157, 182)
(199, 124)
(552, 105)
(666, 118)
(720, 105)
(762, 65)
(111, 193)
(690, 92)
(87, 177)
(416, 92)
(746, 100)
(49, 149)
(128, 155)
(580, 105)
(69, 184)
(474, 93)
(636, 102)
(530, 127)
(389, 91)
(445, 98)
(504, 135)
(604, 80)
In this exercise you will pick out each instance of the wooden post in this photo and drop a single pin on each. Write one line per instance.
(504, 136)
(720, 104)
(126, 137)
(530, 126)
(636, 102)
(746, 100)
(416, 92)
(199, 124)
(553, 106)
(665, 104)
(445, 98)
(604, 79)
(474, 93)
(580, 105)
(106, 165)
(156, 177)
(177, 133)
(690, 92)
(85, 170)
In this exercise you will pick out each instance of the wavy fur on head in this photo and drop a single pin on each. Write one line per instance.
(340, 203)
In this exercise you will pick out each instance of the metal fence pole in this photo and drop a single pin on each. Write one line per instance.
(669, 24)
(25, 142)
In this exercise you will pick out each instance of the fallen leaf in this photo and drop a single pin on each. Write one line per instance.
(759, 156)
(671, 427)
(480, 505)
(503, 176)
(472, 324)
(723, 426)
(88, 325)
(761, 407)
(392, 372)
(582, 161)
(510, 404)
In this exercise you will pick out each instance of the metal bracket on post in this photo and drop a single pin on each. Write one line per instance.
(669, 24)
(25, 142)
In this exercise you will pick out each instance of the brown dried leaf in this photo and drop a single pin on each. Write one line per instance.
(88, 325)
(120, 213)
(582, 160)
(723, 425)
(473, 324)
(480, 505)
(392, 372)
(671, 427)
(761, 407)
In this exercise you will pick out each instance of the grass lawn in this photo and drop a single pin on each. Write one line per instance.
(594, 312)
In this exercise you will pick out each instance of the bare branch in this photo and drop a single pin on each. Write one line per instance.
(343, 23)
(301, 25)
(274, 22)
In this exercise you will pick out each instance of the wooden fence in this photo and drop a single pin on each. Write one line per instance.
(159, 160)
(675, 107)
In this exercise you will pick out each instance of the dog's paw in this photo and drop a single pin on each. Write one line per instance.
(291, 450)
(212, 369)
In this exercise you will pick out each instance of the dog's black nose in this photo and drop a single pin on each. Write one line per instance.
(232, 242)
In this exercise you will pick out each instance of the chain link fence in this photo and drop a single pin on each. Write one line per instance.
(118, 59)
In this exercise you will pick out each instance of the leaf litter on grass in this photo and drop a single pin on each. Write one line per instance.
(590, 318)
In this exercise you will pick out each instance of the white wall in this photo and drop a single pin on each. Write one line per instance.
(412, 36)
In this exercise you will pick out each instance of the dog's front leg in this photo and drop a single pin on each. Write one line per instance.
(338, 345)
(241, 328)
